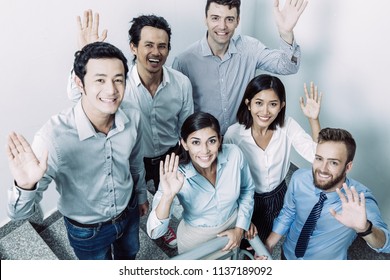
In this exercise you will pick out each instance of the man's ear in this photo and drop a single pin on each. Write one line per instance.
(133, 49)
(349, 166)
(79, 84)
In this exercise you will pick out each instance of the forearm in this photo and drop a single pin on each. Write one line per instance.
(376, 239)
(272, 240)
(21, 203)
(315, 128)
(164, 207)
(287, 36)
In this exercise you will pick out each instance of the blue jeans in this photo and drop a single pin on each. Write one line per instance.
(118, 241)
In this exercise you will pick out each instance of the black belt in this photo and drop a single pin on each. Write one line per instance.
(117, 219)
(156, 160)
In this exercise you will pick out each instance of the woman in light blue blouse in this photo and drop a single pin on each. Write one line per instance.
(212, 183)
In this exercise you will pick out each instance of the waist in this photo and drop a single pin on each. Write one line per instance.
(279, 188)
(115, 220)
(123, 215)
(156, 160)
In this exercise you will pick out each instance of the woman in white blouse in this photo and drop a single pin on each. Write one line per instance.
(266, 136)
(212, 183)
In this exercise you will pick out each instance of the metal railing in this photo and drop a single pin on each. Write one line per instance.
(216, 244)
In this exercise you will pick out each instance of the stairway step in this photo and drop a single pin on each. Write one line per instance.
(149, 250)
(57, 239)
(24, 243)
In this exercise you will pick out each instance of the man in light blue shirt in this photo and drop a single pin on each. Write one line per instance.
(93, 153)
(162, 94)
(220, 66)
(349, 211)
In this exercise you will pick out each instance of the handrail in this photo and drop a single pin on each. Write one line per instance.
(217, 244)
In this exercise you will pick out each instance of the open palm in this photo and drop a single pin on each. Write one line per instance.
(171, 180)
(311, 108)
(288, 16)
(25, 167)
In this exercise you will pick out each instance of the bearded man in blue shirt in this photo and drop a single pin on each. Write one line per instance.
(349, 209)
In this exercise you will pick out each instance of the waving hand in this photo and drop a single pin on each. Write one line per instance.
(25, 167)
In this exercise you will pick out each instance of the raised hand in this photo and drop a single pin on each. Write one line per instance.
(288, 16)
(171, 180)
(89, 29)
(353, 212)
(25, 167)
(311, 109)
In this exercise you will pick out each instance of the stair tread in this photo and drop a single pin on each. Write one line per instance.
(24, 243)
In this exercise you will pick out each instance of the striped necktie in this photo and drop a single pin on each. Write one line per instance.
(308, 227)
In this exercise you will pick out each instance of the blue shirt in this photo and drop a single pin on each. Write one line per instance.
(207, 206)
(95, 174)
(330, 239)
(162, 114)
(219, 84)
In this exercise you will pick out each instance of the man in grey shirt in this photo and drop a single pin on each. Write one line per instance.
(220, 66)
(93, 153)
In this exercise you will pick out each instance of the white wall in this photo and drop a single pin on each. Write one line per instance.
(343, 47)
(345, 52)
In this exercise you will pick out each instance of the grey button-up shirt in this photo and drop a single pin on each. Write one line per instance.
(219, 84)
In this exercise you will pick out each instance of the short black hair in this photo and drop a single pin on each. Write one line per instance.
(97, 50)
(231, 3)
(148, 20)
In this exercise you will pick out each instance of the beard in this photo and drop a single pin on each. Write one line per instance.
(332, 182)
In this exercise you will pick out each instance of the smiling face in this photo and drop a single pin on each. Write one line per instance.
(221, 23)
(152, 50)
(264, 108)
(103, 88)
(202, 146)
(330, 165)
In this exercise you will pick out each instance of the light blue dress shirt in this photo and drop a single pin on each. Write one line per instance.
(164, 113)
(219, 84)
(330, 239)
(94, 173)
(207, 206)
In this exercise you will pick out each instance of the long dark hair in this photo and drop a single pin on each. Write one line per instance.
(195, 122)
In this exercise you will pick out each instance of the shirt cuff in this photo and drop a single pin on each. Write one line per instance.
(156, 227)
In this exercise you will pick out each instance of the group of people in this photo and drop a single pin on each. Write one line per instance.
(218, 141)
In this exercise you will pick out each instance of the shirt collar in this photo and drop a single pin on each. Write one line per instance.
(206, 50)
(137, 79)
(332, 196)
(86, 130)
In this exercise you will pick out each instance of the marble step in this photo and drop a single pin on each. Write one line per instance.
(24, 243)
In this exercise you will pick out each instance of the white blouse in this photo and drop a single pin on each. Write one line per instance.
(269, 167)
